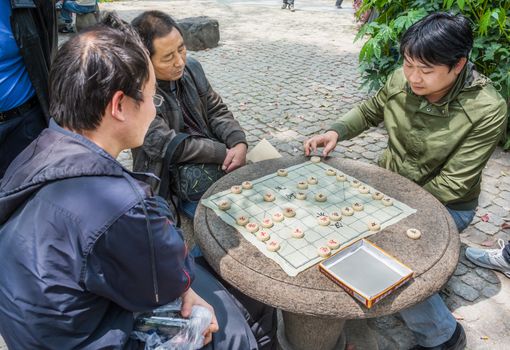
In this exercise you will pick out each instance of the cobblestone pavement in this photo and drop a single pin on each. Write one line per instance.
(287, 76)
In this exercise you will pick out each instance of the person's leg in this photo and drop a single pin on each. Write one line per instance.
(72, 6)
(339, 3)
(495, 259)
(462, 218)
(261, 318)
(188, 208)
(234, 333)
(506, 252)
(430, 320)
(18, 133)
(284, 5)
(291, 5)
(66, 13)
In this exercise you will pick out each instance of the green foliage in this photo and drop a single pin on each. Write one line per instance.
(379, 55)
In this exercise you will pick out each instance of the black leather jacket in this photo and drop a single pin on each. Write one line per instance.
(34, 27)
(217, 124)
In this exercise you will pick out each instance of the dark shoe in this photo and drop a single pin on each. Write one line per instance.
(284, 6)
(456, 342)
(339, 7)
(66, 30)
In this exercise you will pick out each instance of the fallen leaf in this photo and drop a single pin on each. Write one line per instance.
(458, 317)
(488, 243)
(484, 337)
(485, 218)
(504, 173)
(505, 225)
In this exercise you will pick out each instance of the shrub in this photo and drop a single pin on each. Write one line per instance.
(379, 55)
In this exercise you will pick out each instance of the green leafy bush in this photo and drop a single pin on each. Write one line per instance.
(379, 55)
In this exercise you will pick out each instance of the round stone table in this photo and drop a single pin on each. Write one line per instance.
(314, 308)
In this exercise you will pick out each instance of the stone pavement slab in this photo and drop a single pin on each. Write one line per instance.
(287, 76)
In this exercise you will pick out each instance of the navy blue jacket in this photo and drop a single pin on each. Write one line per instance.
(83, 245)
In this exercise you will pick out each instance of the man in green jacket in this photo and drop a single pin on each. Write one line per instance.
(444, 120)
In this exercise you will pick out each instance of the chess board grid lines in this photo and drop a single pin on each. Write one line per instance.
(295, 255)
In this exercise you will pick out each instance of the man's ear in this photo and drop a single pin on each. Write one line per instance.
(460, 65)
(117, 105)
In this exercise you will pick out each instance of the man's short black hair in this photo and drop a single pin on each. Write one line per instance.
(90, 67)
(152, 25)
(438, 39)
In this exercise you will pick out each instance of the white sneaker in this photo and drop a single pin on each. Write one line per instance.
(490, 258)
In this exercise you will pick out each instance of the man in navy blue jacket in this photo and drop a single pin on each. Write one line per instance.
(84, 242)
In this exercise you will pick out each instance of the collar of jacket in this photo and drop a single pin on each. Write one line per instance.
(82, 139)
(468, 79)
(22, 4)
(169, 86)
(145, 177)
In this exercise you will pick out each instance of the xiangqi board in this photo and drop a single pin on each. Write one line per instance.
(301, 214)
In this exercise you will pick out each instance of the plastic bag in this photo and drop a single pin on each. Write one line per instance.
(165, 329)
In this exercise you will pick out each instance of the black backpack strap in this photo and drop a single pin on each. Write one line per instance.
(164, 187)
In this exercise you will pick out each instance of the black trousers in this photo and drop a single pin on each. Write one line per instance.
(17, 133)
(244, 322)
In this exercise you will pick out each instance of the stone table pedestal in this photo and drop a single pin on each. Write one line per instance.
(299, 332)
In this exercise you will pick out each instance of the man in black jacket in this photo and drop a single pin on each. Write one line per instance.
(191, 111)
(28, 37)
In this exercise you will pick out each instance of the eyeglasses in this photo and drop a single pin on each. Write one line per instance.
(158, 100)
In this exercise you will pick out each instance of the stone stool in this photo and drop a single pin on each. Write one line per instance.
(86, 20)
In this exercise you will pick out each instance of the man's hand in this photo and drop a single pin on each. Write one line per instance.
(235, 158)
(327, 140)
(191, 298)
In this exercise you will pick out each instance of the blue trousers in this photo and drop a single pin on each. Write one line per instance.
(430, 320)
(17, 133)
(69, 6)
(188, 208)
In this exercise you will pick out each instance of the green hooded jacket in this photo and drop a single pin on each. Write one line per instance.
(441, 146)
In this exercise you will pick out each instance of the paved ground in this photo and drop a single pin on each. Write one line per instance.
(287, 76)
